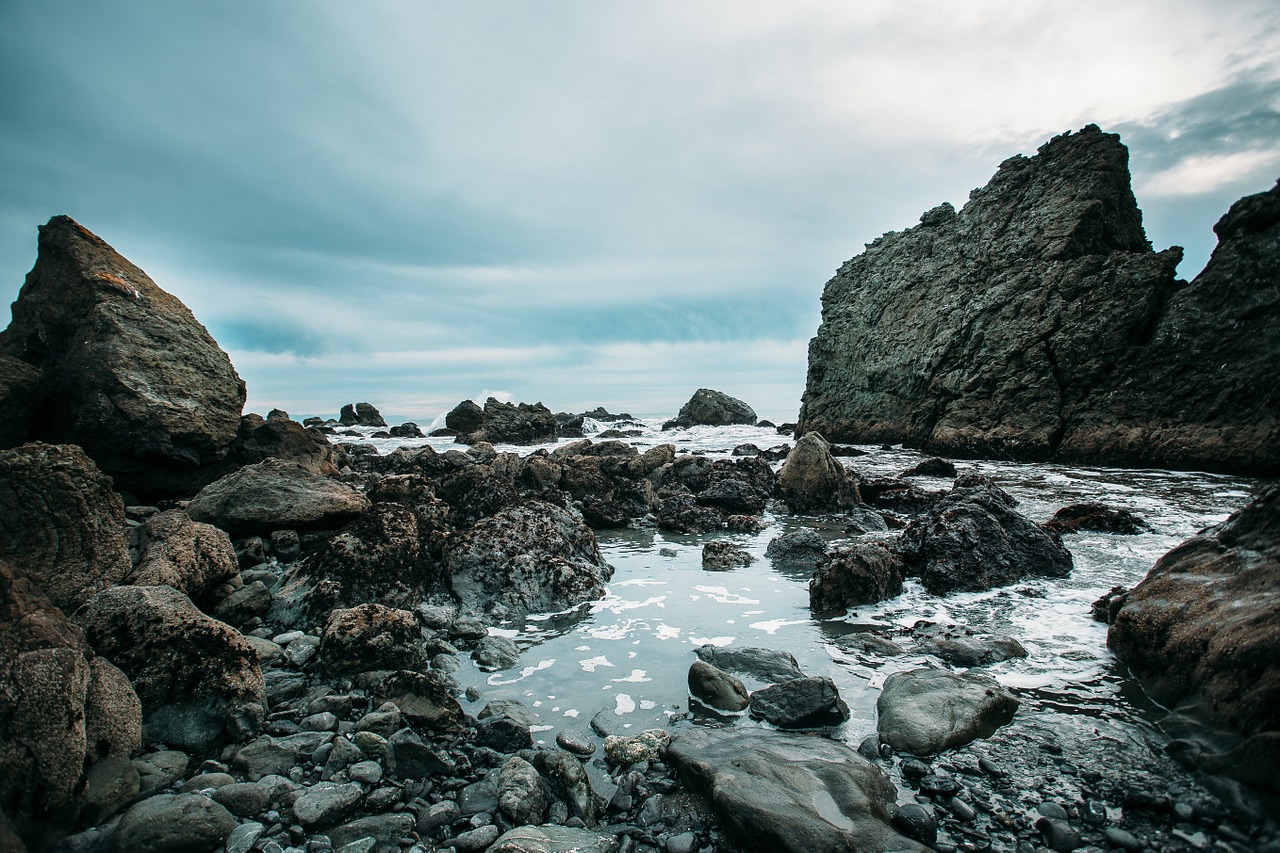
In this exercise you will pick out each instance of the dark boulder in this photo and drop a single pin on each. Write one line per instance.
(19, 394)
(391, 556)
(60, 522)
(861, 574)
(974, 539)
(198, 678)
(716, 688)
(720, 555)
(801, 703)
(933, 467)
(509, 423)
(1096, 517)
(533, 557)
(361, 414)
(791, 793)
(768, 665)
(127, 372)
(811, 480)
(63, 712)
(281, 438)
(408, 429)
(1038, 323)
(799, 547)
(712, 408)
(276, 495)
(465, 418)
(371, 636)
(1202, 631)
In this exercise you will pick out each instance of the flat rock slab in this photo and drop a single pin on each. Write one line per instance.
(925, 711)
(553, 839)
(785, 792)
(276, 495)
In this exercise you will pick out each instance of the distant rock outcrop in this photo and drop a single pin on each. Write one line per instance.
(124, 369)
(1037, 323)
(712, 408)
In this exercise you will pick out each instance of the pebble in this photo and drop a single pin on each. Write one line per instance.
(1094, 812)
(914, 769)
(477, 839)
(1125, 840)
(1059, 835)
(962, 810)
(936, 785)
(1052, 810)
(685, 842)
(368, 772)
(1183, 811)
(244, 836)
(870, 747)
(325, 721)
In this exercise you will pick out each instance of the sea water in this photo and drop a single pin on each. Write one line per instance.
(624, 659)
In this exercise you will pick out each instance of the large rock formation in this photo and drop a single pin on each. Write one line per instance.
(1037, 323)
(1202, 632)
(712, 408)
(125, 370)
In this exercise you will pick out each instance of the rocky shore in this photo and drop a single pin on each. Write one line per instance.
(245, 637)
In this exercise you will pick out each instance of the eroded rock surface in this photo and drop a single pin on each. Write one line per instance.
(712, 408)
(924, 711)
(1037, 323)
(127, 372)
(275, 495)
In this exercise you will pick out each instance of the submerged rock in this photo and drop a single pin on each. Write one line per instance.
(720, 555)
(1037, 323)
(962, 646)
(799, 547)
(924, 711)
(126, 371)
(790, 793)
(1096, 517)
(712, 408)
(861, 574)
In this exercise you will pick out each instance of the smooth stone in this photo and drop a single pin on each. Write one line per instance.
(326, 804)
(925, 711)
(173, 823)
(575, 741)
(244, 836)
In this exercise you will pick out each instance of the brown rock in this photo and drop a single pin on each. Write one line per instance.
(276, 495)
(194, 674)
(128, 372)
(194, 558)
(281, 438)
(60, 522)
(371, 636)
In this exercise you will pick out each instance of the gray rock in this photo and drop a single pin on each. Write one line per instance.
(365, 772)
(800, 703)
(925, 711)
(789, 793)
(716, 688)
(963, 646)
(326, 804)
(513, 708)
(475, 840)
(575, 741)
(522, 795)
(712, 408)
(799, 547)
(765, 664)
(554, 839)
(160, 769)
(494, 653)
(409, 758)
(386, 829)
(342, 755)
(243, 799)
(503, 734)
(812, 480)
(438, 814)
(273, 495)
(244, 836)
(569, 781)
(173, 823)
(242, 605)
(269, 756)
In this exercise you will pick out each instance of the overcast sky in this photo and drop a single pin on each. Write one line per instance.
(588, 203)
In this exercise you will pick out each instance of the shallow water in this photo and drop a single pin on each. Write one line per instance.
(628, 654)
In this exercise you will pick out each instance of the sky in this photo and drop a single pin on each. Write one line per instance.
(581, 203)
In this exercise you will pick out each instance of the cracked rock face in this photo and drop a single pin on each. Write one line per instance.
(1038, 323)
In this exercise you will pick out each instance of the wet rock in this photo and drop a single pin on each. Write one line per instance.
(1203, 630)
(370, 636)
(716, 688)
(408, 429)
(711, 408)
(64, 713)
(475, 840)
(60, 522)
(1096, 517)
(388, 556)
(811, 480)
(513, 708)
(720, 555)
(273, 495)
(243, 799)
(503, 734)
(1104, 609)
(915, 821)
(553, 839)
(197, 678)
(975, 539)
(627, 750)
(423, 701)
(683, 514)
(925, 711)
(867, 643)
(244, 604)
(195, 559)
(800, 703)
(530, 558)
(765, 664)
(522, 795)
(861, 574)
(575, 741)
(493, 653)
(799, 547)
(570, 783)
(173, 823)
(963, 646)
(991, 353)
(160, 769)
(932, 467)
(326, 804)
(789, 792)
(1059, 835)
(273, 756)
(244, 837)
(385, 829)
(126, 372)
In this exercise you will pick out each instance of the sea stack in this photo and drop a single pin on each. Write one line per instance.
(1037, 323)
(99, 356)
